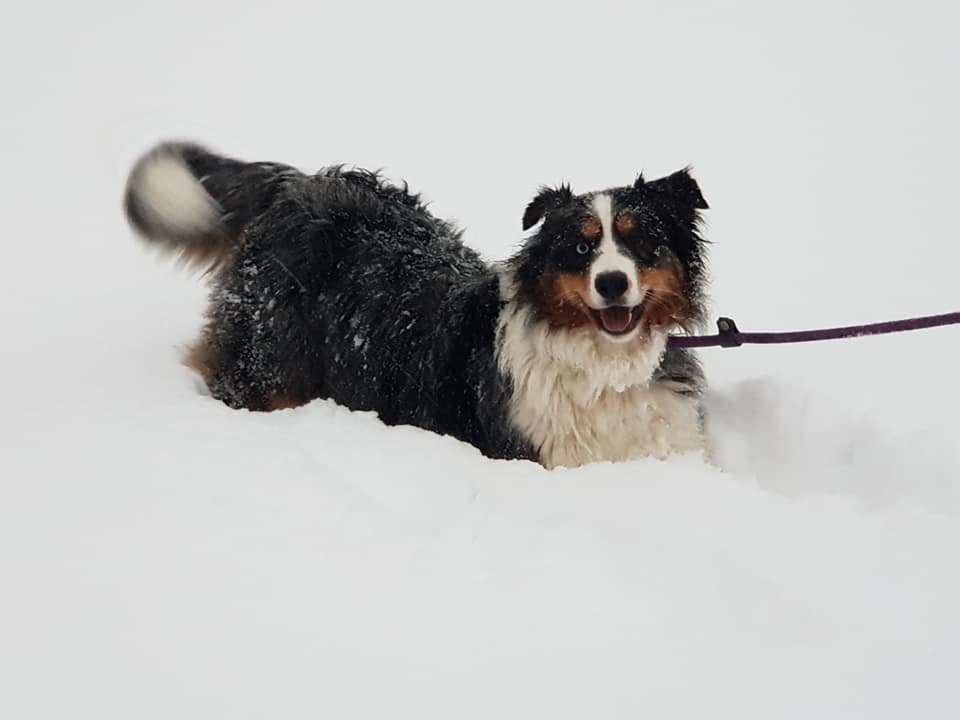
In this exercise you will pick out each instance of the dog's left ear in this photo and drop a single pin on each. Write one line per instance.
(680, 187)
(545, 201)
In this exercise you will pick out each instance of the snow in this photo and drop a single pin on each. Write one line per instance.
(162, 556)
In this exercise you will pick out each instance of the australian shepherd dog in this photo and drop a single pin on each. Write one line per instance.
(341, 285)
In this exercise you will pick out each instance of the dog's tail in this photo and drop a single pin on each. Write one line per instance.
(187, 200)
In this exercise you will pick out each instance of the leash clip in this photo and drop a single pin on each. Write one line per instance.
(729, 333)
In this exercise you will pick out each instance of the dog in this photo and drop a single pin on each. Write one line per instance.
(342, 285)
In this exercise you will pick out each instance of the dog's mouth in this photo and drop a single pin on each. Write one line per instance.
(618, 320)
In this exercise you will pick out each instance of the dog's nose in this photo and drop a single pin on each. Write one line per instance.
(611, 285)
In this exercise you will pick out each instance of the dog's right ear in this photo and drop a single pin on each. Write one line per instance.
(546, 200)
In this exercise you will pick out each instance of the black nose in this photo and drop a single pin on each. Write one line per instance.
(611, 285)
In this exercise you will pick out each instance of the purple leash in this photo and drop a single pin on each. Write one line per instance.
(729, 334)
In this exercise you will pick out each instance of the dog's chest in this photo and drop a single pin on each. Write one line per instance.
(579, 401)
(613, 425)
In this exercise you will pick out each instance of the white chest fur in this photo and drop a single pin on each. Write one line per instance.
(580, 398)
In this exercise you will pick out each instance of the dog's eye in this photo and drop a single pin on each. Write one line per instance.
(583, 248)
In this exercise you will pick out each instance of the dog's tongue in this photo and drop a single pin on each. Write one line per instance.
(615, 319)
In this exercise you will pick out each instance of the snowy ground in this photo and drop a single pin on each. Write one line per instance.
(164, 557)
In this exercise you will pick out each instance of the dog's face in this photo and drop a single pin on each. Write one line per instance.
(616, 262)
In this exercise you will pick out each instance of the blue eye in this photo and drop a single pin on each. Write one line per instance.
(583, 248)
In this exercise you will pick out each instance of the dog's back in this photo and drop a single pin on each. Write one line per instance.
(334, 285)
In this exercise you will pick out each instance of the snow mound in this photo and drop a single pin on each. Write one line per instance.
(799, 444)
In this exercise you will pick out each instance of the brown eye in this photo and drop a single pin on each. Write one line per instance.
(582, 248)
(625, 225)
(590, 229)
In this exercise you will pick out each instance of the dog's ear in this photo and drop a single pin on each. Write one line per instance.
(679, 187)
(546, 200)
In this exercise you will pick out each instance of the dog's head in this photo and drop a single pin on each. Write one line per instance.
(619, 262)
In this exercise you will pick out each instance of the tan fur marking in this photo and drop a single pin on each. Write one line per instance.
(282, 402)
(666, 305)
(591, 229)
(563, 299)
(624, 225)
(210, 253)
(202, 359)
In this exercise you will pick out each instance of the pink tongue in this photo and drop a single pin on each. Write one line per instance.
(615, 319)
